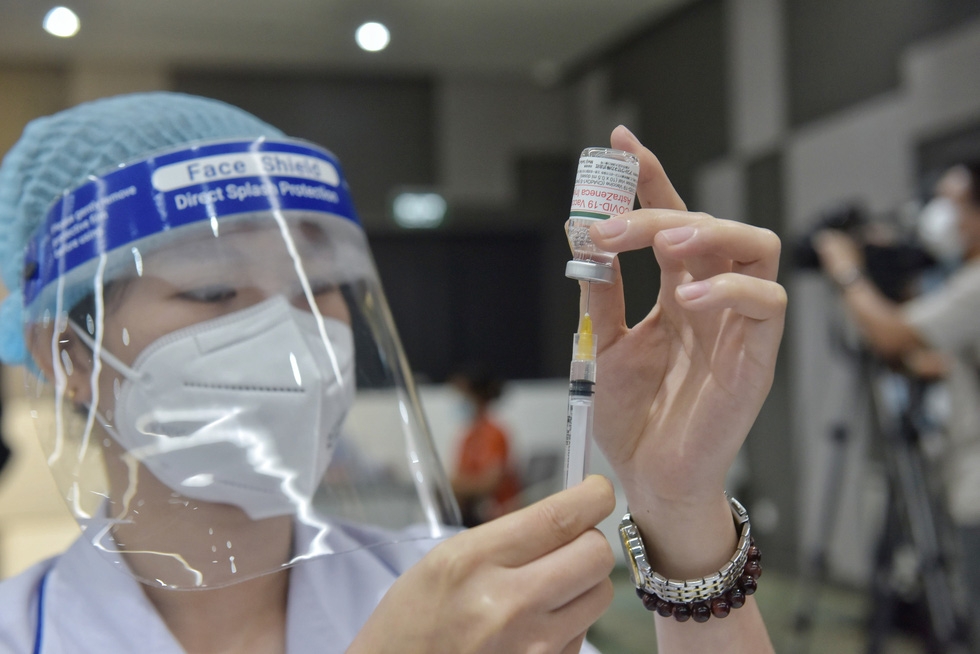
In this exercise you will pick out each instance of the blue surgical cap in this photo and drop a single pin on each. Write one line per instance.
(58, 152)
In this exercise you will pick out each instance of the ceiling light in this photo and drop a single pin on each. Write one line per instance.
(419, 210)
(61, 21)
(372, 37)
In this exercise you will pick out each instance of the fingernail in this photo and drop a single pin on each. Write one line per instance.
(677, 235)
(693, 291)
(612, 227)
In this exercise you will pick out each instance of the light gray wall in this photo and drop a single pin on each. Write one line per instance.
(865, 152)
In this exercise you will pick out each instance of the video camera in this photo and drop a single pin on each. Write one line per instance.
(894, 258)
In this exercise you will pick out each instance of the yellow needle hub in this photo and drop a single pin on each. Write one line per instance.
(585, 348)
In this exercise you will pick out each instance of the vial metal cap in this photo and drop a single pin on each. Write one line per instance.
(588, 271)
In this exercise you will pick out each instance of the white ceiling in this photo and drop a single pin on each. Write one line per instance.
(447, 37)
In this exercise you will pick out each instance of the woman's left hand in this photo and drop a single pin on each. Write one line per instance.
(678, 392)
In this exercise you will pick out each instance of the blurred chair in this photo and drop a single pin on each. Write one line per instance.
(542, 475)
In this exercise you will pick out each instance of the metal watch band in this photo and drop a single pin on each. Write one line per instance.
(690, 590)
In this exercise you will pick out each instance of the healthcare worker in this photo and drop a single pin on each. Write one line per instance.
(228, 413)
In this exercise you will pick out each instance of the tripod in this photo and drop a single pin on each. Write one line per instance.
(895, 403)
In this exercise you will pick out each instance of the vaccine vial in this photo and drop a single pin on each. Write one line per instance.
(605, 186)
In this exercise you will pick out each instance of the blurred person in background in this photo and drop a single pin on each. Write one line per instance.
(484, 480)
(195, 304)
(934, 335)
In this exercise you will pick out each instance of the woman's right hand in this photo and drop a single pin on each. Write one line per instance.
(532, 581)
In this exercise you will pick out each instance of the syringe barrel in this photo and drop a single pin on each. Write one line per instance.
(578, 432)
(582, 370)
(581, 393)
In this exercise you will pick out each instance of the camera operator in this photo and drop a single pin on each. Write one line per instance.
(933, 335)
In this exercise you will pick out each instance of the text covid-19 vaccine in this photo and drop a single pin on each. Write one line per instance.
(605, 186)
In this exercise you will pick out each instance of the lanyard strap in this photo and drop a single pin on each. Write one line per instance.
(39, 629)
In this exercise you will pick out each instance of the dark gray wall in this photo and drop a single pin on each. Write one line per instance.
(456, 294)
(940, 151)
(770, 444)
(460, 298)
(675, 75)
(381, 128)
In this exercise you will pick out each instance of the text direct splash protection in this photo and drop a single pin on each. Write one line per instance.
(199, 183)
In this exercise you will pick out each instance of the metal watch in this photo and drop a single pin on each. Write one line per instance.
(689, 590)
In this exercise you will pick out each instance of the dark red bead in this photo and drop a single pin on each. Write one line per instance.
(682, 612)
(721, 607)
(649, 601)
(700, 611)
(664, 608)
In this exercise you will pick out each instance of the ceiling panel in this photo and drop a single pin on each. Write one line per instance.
(428, 36)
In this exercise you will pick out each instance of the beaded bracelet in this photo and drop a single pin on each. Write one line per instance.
(719, 606)
(716, 594)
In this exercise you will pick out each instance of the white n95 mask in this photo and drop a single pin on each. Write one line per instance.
(938, 229)
(244, 409)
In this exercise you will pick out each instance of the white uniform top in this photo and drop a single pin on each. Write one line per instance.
(79, 603)
(948, 321)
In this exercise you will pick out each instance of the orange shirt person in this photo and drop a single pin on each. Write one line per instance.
(483, 481)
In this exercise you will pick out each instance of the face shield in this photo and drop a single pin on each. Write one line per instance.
(219, 387)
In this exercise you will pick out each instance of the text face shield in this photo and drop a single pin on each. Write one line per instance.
(221, 390)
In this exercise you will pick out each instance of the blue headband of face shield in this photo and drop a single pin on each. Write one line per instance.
(201, 182)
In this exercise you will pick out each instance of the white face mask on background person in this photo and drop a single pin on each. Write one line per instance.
(244, 409)
(938, 231)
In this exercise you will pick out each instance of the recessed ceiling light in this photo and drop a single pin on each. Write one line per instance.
(424, 210)
(61, 21)
(372, 37)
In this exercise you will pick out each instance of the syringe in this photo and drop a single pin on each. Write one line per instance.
(581, 399)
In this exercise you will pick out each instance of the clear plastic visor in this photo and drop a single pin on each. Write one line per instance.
(222, 400)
